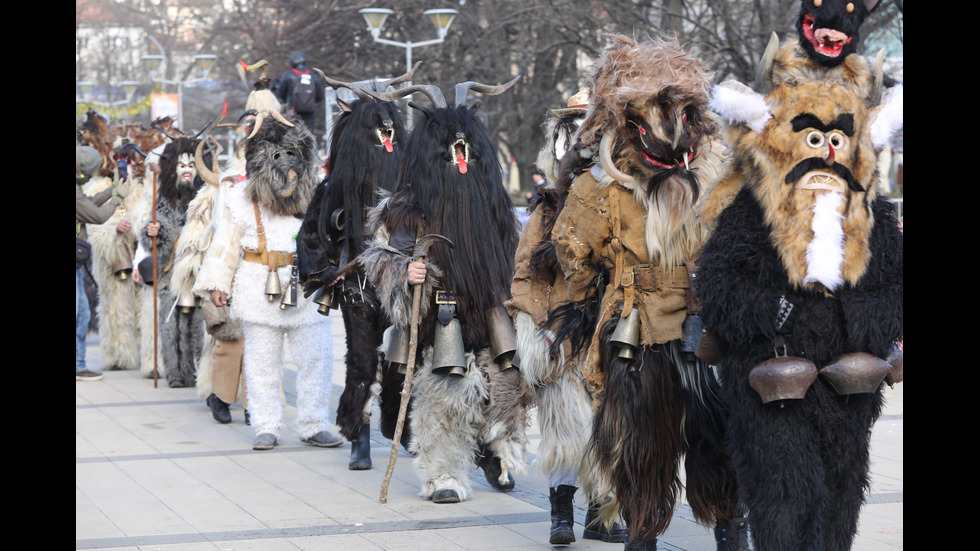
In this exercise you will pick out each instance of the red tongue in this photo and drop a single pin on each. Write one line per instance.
(388, 147)
(461, 162)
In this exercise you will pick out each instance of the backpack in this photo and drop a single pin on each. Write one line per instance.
(304, 94)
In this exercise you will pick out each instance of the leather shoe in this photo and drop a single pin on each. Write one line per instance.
(445, 496)
(219, 409)
(264, 441)
(323, 439)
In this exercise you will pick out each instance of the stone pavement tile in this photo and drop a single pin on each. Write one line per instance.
(429, 540)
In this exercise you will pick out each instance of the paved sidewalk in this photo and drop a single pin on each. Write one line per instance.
(155, 472)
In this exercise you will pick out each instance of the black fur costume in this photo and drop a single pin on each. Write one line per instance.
(449, 185)
(361, 166)
(181, 332)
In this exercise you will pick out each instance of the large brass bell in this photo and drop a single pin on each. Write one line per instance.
(325, 299)
(856, 373)
(503, 337)
(448, 357)
(273, 288)
(395, 346)
(291, 294)
(187, 302)
(122, 268)
(782, 378)
(627, 334)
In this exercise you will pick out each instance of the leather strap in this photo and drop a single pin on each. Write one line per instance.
(617, 246)
(273, 259)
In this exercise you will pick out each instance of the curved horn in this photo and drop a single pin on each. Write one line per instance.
(208, 175)
(878, 79)
(206, 126)
(244, 69)
(130, 146)
(164, 132)
(763, 78)
(605, 156)
(341, 84)
(432, 92)
(260, 118)
(463, 89)
(407, 77)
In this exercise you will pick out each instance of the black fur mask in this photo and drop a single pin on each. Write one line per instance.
(829, 29)
(281, 162)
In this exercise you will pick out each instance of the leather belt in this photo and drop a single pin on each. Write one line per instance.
(281, 258)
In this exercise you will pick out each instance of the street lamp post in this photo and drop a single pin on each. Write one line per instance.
(86, 88)
(441, 18)
(203, 61)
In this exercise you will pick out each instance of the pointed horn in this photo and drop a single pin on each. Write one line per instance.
(206, 126)
(763, 78)
(463, 88)
(432, 92)
(878, 80)
(260, 118)
(244, 69)
(209, 176)
(407, 77)
(333, 83)
(605, 156)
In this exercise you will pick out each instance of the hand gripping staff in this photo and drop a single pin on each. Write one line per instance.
(421, 248)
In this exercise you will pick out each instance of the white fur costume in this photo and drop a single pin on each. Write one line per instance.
(266, 326)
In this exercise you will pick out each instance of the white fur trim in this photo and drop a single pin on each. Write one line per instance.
(825, 254)
(736, 103)
(889, 118)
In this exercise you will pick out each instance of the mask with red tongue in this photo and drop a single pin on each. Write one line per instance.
(829, 29)
(460, 155)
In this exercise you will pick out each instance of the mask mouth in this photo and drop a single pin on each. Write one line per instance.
(664, 164)
(291, 179)
(821, 180)
(826, 42)
(460, 154)
(386, 136)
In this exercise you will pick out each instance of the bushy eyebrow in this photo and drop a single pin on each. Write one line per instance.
(844, 122)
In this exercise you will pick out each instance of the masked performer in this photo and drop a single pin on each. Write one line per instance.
(635, 213)
(555, 381)
(251, 254)
(180, 323)
(367, 147)
(465, 402)
(114, 241)
(220, 377)
(802, 285)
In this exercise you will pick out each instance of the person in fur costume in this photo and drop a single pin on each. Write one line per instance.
(220, 378)
(635, 213)
(556, 382)
(251, 254)
(181, 325)
(802, 287)
(466, 408)
(114, 241)
(367, 147)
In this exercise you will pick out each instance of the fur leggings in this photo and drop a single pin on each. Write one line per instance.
(312, 352)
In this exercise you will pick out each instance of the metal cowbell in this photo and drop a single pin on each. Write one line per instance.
(503, 337)
(396, 347)
(291, 294)
(627, 334)
(448, 357)
(273, 288)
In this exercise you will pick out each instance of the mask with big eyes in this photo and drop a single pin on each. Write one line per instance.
(828, 29)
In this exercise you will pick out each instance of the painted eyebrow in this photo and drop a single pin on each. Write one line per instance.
(844, 122)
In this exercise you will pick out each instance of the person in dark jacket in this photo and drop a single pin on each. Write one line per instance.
(295, 81)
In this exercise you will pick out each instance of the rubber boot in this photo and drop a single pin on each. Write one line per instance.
(732, 534)
(595, 530)
(360, 449)
(562, 515)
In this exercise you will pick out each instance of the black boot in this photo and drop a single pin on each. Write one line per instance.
(562, 515)
(490, 463)
(594, 530)
(219, 409)
(360, 449)
(732, 534)
(248, 420)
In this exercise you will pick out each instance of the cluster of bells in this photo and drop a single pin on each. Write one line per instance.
(273, 288)
(448, 352)
(185, 301)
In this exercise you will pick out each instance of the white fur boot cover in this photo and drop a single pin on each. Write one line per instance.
(312, 352)
(505, 420)
(446, 419)
(263, 376)
(565, 421)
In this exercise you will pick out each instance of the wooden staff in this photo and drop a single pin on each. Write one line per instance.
(421, 247)
(156, 332)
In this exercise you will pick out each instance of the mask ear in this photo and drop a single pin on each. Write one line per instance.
(888, 117)
(739, 104)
